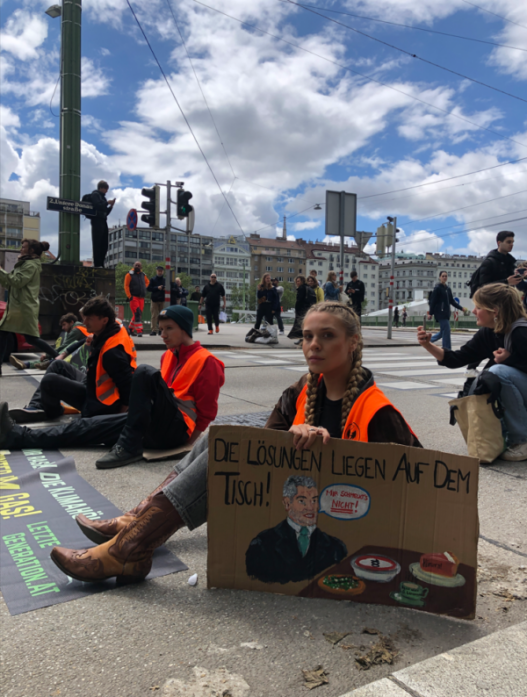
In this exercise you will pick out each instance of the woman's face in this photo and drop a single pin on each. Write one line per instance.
(326, 346)
(485, 318)
(311, 281)
(444, 277)
(24, 249)
(266, 280)
(332, 277)
(298, 282)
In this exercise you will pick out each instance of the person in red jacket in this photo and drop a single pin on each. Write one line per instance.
(166, 409)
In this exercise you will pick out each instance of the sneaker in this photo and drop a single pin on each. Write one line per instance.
(153, 333)
(515, 453)
(16, 362)
(281, 333)
(217, 329)
(133, 333)
(139, 336)
(117, 457)
(6, 423)
(211, 332)
(27, 415)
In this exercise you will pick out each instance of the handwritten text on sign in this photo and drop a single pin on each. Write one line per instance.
(344, 501)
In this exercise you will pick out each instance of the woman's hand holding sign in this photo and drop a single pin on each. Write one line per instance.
(305, 435)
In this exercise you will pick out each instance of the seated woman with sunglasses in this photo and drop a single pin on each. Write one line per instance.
(338, 398)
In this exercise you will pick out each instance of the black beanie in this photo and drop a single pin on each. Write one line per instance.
(181, 316)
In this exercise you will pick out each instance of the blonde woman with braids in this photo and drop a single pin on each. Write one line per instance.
(502, 341)
(338, 398)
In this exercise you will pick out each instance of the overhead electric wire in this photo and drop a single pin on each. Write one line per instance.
(410, 26)
(402, 50)
(366, 77)
(199, 85)
(414, 239)
(477, 220)
(293, 215)
(511, 21)
(183, 114)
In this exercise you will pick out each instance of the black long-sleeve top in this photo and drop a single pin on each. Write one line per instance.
(482, 346)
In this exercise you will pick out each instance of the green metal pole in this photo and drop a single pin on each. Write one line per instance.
(70, 128)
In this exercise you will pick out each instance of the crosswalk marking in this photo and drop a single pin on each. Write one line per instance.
(402, 385)
(420, 371)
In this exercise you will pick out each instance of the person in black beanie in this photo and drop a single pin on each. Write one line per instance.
(167, 408)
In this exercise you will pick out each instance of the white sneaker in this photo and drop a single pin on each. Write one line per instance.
(281, 333)
(516, 453)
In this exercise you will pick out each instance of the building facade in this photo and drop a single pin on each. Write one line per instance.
(283, 259)
(232, 263)
(421, 272)
(16, 222)
(190, 254)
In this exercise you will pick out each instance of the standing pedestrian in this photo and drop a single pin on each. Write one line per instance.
(440, 302)
(332, 290)
(135, 285)
(356, 291)
(99, 224)
(396, 317)
(313, 284)
(267, 299)
(305, 297)
(404, 316)
(23, 304)
(278, 312)
(498, 266)
(196, 295)
(157, 288)
(211, 295)
(183, 292)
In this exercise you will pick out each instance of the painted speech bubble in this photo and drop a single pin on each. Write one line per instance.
(344, 501)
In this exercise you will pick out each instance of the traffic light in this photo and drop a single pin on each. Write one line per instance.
(152, 206)
(183, 207)
(381, 241)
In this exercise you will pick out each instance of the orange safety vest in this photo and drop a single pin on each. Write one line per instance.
(83, 329)
(183, 380)
(367, 404)
(105, 388)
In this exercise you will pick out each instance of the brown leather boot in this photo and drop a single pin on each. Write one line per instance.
(128, 556)
(100, 531)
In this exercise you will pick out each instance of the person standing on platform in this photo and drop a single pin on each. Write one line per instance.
(278, 312)
(23, 304)
(99, 223)
(135, 285)
(211, 296)
(157, 288)
(356, 291)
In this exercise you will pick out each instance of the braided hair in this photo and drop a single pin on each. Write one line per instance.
(352, 327)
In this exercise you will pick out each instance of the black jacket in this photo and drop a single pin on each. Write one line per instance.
(496, 268)
(440, 302)
(158, 296)
(100, 204)
(116, 362)
(360, 291)
(482, 346)
(274, 555)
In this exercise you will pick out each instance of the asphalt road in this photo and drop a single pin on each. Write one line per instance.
(129, 642)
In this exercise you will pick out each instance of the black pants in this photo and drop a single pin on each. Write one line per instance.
(212, 314)
(35, 341)
(153, 421)
(278, 317)
(99, 238)
(296, 330)
(357, 309)
(62, 382)
(263, 311)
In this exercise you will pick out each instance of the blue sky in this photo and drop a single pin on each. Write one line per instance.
(292, 124)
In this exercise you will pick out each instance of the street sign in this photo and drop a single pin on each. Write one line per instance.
(362, 239)
(131, 219)
(341, 220)
(456, 300)
(64, 204)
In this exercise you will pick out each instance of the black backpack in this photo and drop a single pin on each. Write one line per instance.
(475, 281)
(88, 198)
(311, 296)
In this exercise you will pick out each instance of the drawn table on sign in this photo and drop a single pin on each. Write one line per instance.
(441, 600)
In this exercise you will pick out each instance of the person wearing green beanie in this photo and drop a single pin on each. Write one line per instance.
(167, 408)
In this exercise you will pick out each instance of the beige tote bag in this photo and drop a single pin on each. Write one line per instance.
(480, 427)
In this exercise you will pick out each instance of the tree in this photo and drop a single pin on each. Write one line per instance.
(289, 296)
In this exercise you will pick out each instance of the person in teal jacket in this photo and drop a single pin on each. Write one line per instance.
(23, 304)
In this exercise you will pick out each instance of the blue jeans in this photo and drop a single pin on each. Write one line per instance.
(444, 331)
(514, 400)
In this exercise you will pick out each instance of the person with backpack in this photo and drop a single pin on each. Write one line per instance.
(501, 340)
(99, 224)
(305, 298)
(498, 266)
(440, 301)
(331, 288)
(135, 284)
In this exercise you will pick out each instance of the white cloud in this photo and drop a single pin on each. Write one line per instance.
(306, 225)
(23, 34)
(8, 119)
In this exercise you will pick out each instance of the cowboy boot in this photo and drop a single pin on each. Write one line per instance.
(128, 556)
(100, 531)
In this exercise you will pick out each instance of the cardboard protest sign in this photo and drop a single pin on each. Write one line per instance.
(41, 493)
(368, 522)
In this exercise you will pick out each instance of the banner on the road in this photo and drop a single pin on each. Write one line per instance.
(41, 493)
(367, 522)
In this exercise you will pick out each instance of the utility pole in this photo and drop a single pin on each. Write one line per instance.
(167, 243)
(392, 274)
(70, 128)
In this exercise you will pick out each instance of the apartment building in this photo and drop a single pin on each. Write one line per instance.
(16, 222)
(283, 259)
